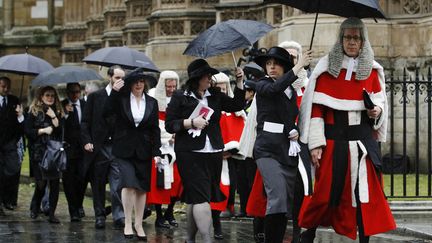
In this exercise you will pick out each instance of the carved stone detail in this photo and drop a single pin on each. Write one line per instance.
(171, 28)
(258, 14)
(172, 1)
(117, 21)
(204, 1)
(74, 57)
(115, 43)
(75, 35)
(277, 17)
(139, 38)
(197, 26)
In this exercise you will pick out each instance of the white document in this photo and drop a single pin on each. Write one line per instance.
(273, 127)
(200, 109)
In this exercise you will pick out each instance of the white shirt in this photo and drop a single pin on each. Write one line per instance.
(208, 148)
(78, 106)
(137, 108)
(108, 89)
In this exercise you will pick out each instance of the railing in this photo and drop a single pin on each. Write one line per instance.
(408, 151)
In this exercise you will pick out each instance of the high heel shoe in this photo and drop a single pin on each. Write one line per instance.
(141, 237)
(128, 236)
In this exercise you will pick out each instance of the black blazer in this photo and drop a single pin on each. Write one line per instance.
(72, 133)
(181, 107)
(10, 129)
(142, 142)
(274, 106)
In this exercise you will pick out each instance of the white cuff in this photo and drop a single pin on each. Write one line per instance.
(316, 133)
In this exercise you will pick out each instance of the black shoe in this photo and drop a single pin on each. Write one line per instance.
(119, 223)
(2, 213)
(128, 236)
(53, 220)
(75, 218)
(160, 223)
(169, 217)
(147, 213)
(173, 222)
(81, 212)
(218, 236)
(100, 223)
(142, 238)
(240, 215)
(9, 206)
(308, 236)
(259, 238)
(33, 214)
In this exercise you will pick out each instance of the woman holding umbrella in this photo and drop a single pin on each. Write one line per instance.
(136, 141)
(44, 122)
(199, 144)
(276, 115)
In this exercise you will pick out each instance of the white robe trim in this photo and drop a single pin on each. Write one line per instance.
(316, 137)
(225, 179)
(304, 176)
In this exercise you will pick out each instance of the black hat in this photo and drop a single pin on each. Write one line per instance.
(198, 68)
(278, 53)
(135, 75)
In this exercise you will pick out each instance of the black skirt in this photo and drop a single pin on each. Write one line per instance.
(200, 174)
(135, 173)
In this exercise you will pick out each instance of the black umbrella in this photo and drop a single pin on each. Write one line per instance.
(24, 64)
(343, 8)
(66, 74)
(124, 56)
(227, 36)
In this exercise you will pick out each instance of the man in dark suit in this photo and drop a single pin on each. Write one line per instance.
(11, 129)
(74, 186)
(96, 133)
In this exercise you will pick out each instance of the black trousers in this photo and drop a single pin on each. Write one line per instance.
(245, 177)
(9, 168)
(39, 192)
(232, 170)
(74, 186)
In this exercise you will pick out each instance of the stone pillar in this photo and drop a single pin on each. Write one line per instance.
(8, 14)
(51, 14)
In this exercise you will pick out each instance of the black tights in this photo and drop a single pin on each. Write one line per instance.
(39, 192)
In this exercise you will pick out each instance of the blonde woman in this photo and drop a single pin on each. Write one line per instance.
(44, 122)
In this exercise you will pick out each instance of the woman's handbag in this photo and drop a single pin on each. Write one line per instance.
(54, 158)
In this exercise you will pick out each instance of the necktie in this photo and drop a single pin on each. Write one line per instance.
(75, 114)
(3, 104)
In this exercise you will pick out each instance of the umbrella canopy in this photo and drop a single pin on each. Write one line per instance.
(124, 56)
(343, 8)
(24, 64)
(227, 36)
(65, 74)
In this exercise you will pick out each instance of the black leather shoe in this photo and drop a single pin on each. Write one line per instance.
(259, 238)
(9, 206)
(119, 223)
(142, 238)
(108, 210)
(75, 218)
(160, 223)
(173, 222)
(81, 212)
(34, 214)
(100, 223)
(53, 220)
(2, 213)
(128, 236)
(147, 213)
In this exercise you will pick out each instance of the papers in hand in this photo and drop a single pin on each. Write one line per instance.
(206, 111)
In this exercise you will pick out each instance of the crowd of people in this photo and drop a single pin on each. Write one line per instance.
(295, 144)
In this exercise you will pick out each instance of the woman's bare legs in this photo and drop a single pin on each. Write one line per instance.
(128, 200)
(140, 201)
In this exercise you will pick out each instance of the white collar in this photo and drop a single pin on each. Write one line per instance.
(108, 88)
(206, 93)
(132, 96)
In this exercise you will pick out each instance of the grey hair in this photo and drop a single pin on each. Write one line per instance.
(366, 55)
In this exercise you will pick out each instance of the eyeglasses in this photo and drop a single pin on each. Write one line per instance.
(355, 38)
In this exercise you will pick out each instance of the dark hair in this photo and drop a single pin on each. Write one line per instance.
(69, 86)
(6, 80)
(192, 86)
(111, 69)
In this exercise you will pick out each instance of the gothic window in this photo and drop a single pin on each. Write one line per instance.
(139, 38)
(171, 28)
(74, 57)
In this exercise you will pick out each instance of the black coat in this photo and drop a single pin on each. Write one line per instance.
(130, 141)
(95, 128)
(181, 107)
(10, 129)
(274, 106)
(38, 142)
(72, 133)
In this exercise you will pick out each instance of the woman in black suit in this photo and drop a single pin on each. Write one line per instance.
(44, 121)
(198, 143)
(276, 114)
(136, 141)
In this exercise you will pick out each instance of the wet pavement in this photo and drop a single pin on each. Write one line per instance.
(18, 227)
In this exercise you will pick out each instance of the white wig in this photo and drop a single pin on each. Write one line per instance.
(160, 91)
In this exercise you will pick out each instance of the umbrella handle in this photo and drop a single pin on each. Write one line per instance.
(234, 59)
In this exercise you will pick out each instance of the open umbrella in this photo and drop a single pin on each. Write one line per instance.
(343, 8)
(227, 36)
(24, 64)
(124, 56)
(65, 74)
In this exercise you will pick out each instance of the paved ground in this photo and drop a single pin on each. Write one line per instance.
(18, 227)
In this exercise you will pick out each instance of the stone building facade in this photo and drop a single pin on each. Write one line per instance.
(65, 31)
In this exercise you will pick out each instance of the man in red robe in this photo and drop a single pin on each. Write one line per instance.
(342, 136)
